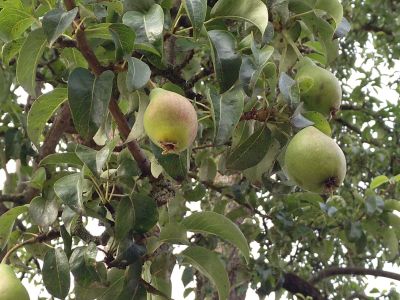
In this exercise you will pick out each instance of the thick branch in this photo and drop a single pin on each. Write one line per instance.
(336, 271)
(370, 27)
(133, 146)
(296, 285)
(17, 198)
(61, 122)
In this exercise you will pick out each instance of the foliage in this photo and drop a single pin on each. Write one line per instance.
(81, 152)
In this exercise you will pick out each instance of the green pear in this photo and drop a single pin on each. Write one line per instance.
(319, 89)
(170, 121)
(314, 161)
(10, 286)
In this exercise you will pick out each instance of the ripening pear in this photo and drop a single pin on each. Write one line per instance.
(10, 286)
(319, 89)
(170, 121)
(314, 161)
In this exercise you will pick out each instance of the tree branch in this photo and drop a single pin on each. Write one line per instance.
(97, 68)
(296, 285)
(61, 122)
(51, 235)
(356, 130)
(336, 271)
(16, 198)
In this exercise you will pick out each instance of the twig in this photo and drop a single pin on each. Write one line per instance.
(48, 236)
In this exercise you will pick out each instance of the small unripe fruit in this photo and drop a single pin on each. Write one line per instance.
(319, 89)
(170, 121)
(10, 286)
(314, 161)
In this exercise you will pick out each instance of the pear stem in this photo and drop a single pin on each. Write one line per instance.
(151, 84)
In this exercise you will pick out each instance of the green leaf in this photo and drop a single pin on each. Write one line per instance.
(253, 11)
(99, 31)
(5, 84)
(251, 151)
(289, 89)
(147, 26)
(319, 120)
(41, 111)
(13, 22)
(68, 158)
(226, 112)
(38, 178)
(69, 190)
(225, 59)
(219, 225)
(210, 265)
(104, 154)
(265, 165)
(373, 203)
(391, 242)
(321, 28)
(138, 5)
(88, 157)
(392, 204)
(252, 67)
(56, 22)
(11, 49)
(43, 211)
(378, 181)
(116, 279)
(133, 289)
(83, 265)
(28, 59)
(73, 58)
(89, 97)
(124, 218)
(55, 272)
(138, 74)
(333, 7)
(137, 131)
(7, 223)
(196, 10)
(124, 39)
(146, 213)
(175, 165)
(208, 169)
(174, 233)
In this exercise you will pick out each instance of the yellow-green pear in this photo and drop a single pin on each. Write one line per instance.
(314, 161)
(11, 287)
(170, 121)
(319, 89)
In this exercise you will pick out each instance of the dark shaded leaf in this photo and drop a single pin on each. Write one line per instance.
(55, 272)
(89, 97)
(251, 151)
(225, 59)
(56, 22)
